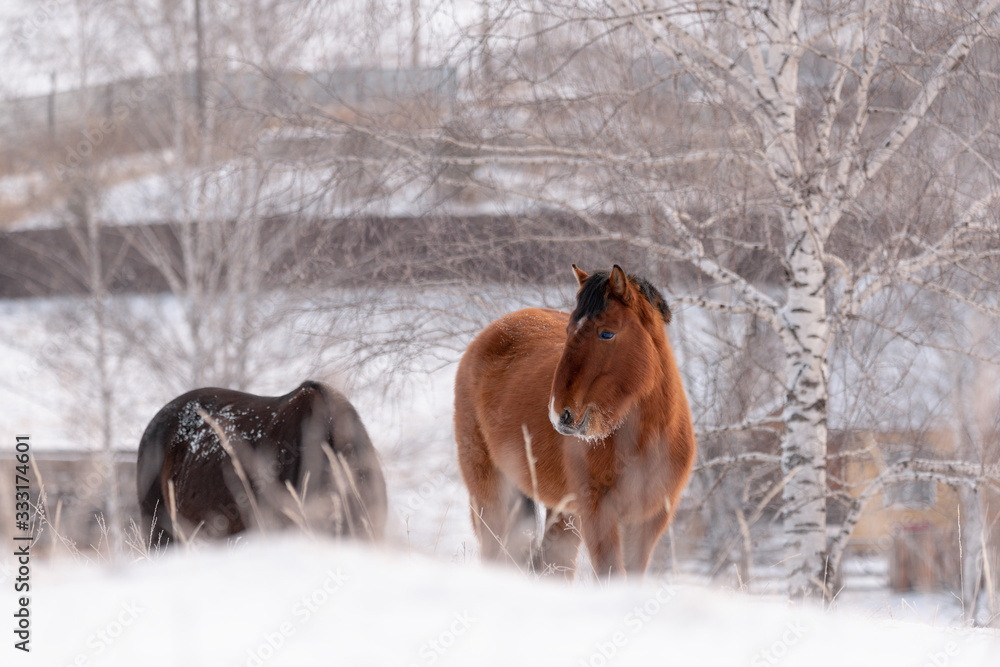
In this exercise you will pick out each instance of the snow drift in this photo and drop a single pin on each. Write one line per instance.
(284, 600)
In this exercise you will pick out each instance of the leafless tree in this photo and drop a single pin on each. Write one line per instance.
(221, 256)
(209, 187)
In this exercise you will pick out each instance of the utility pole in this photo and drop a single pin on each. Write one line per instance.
(415, 43)
(52, 107)
(199, 84)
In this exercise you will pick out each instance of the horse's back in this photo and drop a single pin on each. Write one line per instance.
(180, 447)
(287, 434)
(494, 354)
(179, 431)
(501, 387)
(513, 355)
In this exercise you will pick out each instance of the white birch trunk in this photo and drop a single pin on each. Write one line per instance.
(972, 551)
(973, 415)
(803, 447)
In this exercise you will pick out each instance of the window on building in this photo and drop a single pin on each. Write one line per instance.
(918, 493)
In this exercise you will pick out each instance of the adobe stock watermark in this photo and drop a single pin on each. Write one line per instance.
(95, 135)
(102, 640)
(302, 612)
(40, 16)
(634, 621)
(887, 540)
(944, 657)
(779, 648)
(432, 650)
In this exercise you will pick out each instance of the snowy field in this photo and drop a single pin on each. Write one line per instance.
(286, 600)
(422, 598)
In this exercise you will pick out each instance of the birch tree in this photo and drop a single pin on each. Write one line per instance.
(214, 186)
(820, 173)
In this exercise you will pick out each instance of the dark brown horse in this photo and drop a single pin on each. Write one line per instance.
(596, 398)
(214, 462)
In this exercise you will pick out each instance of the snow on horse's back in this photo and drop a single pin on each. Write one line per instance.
(214, 462)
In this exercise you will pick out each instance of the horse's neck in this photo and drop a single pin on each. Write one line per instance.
(657, 407)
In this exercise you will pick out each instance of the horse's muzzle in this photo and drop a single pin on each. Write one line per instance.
(566, 424)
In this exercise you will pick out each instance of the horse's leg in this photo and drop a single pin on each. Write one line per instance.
(500, 512)
(639, 540)
(489, 517)
(603, 540)
(486, 521)
(560, 545)
(489, 502)
(503, 518)
(521, 526)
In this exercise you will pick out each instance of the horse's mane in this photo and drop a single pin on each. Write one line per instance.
(593, 297)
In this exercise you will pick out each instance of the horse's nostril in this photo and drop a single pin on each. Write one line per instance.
(566, 419)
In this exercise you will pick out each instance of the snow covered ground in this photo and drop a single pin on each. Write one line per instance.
(285, 600)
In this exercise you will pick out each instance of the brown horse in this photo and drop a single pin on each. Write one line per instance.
(596, 398)
(214, 462)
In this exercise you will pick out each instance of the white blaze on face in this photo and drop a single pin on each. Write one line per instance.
(579, 324)
(553, 415)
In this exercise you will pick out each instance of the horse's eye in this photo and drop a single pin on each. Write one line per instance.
(607, 335)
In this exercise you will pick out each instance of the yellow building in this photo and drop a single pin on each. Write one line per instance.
(912, 522)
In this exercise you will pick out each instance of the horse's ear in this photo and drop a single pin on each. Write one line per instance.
(581, 276)
(618, 282)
